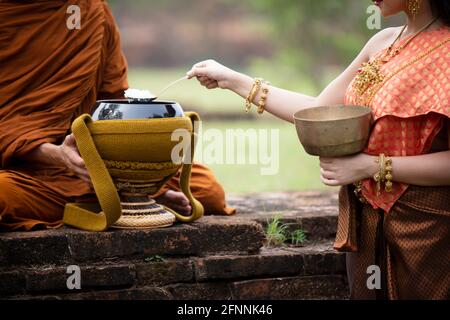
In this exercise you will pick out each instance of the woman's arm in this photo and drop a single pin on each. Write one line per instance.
(283, 103)
(424, 170)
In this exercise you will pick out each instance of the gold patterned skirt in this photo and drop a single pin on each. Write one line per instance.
(410, 244)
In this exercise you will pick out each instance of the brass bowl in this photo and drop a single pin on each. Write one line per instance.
(334, 131)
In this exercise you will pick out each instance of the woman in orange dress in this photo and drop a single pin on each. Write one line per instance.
(395, 196)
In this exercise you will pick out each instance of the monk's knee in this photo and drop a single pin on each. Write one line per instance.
(7, 192)
(213, 199)
(208, 191)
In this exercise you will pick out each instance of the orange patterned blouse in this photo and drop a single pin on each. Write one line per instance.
(410, 105)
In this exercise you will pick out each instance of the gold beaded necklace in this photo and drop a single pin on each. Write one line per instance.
(370, 75)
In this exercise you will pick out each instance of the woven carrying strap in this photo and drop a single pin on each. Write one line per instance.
(197, 207)
(91, 216)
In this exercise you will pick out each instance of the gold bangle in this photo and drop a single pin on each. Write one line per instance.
(262, 101)
(380, 175)
(388, 175)
(253, 92)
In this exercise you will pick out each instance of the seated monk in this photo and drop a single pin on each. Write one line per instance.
(50, 76)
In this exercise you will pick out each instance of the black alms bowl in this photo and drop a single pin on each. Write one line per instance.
(132, 110)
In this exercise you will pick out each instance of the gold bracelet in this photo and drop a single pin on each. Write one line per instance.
(388, 176)
(253, 92)
(380, 175)
(262, 101)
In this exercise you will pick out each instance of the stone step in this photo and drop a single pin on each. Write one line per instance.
(315, 212)
(69, 246)
(216, 257)
(314, 271)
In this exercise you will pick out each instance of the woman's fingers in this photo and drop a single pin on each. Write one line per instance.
(198, 70)
(213, 85)
(204, 81)
(326, 174)
(203, 68)
(328, 178)
(208, 83)
(212, 74)
(326, 162)
(328, 166)
(201, 64)
(330, 182)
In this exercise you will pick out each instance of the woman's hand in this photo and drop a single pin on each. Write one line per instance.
(64, 155)
(347, 170)
(212, 74)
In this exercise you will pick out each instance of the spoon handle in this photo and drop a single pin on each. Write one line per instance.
(171, 85)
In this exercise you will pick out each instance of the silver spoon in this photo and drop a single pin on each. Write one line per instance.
(169, 86)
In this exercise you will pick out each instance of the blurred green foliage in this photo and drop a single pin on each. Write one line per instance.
(311, 33)
(312, 39)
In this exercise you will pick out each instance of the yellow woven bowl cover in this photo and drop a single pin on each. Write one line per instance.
(130, 155)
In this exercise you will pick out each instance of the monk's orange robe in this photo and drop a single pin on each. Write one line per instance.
(49, 76)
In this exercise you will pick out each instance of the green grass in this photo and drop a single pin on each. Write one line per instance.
(298, 237)
(297, 170)
(278, 234)
(155, 258)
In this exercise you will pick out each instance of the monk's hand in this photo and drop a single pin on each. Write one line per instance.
(177, 201)
(69, 156)
(212, 74)
(347, 170)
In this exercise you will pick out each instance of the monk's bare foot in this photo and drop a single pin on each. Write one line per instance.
(176, 201)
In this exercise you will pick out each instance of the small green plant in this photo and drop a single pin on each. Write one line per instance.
(154, 258)
(277, 233)
(298, 237)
